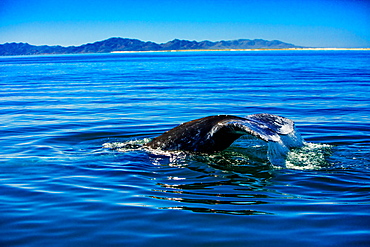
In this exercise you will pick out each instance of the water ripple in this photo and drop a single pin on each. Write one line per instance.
(68, 176)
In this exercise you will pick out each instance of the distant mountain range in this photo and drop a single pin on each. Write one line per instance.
(122, 44)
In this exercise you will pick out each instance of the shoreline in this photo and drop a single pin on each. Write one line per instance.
(256, 49)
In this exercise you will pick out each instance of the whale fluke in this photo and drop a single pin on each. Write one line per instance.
(216, 133)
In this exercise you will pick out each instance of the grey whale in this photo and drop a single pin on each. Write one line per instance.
(216, 133)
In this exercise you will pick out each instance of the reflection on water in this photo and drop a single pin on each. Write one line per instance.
(217, 211)
(221, 193)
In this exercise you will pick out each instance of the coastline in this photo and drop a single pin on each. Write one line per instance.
(257, 49)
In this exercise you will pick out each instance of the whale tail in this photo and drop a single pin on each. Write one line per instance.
(216, 133)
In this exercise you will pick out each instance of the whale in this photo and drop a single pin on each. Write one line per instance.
(216, 133)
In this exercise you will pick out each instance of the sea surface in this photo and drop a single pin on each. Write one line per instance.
(69, 178)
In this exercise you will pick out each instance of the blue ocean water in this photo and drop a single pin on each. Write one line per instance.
(65, 181)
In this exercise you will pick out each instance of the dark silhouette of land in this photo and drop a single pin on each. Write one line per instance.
(123, 44)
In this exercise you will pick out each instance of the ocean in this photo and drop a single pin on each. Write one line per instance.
(67, 177)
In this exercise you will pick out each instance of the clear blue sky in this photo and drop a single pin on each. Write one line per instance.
(318, 23)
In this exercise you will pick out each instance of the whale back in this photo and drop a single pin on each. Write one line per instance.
(195, 135)
(216, 133)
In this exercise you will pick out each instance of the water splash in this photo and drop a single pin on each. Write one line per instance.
(157, 156)
(311, 156)
(287, 153)
(278, 150)
(249, 151)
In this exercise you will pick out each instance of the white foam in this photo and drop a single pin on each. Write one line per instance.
(311, 156)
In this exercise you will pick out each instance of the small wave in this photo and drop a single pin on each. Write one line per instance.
(157, 156)
(126, 146)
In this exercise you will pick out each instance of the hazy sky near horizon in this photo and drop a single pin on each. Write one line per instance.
(315, 23)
